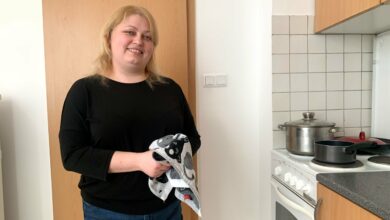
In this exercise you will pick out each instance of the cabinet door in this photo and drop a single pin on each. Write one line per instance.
(71, 33)
(336, 207)
(331, 12)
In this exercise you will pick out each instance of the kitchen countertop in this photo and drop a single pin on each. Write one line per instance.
(370, 190)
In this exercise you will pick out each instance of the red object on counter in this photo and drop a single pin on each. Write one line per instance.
(362, 135)
(361, 138)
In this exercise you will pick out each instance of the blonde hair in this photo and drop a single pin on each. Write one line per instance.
(103, 63)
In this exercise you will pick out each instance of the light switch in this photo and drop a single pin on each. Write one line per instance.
(214, 80)
(221, 80)
(209, 80)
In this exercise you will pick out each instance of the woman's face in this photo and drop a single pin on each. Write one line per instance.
(132, 44)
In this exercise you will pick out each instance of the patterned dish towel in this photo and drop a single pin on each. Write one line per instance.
(176, 150)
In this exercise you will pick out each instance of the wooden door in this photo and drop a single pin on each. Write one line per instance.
(71, 33)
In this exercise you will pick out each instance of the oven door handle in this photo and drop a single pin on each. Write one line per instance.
(292, 204)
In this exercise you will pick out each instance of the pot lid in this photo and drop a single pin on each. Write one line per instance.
(309, 121)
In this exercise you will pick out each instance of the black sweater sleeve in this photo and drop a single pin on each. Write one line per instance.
(75, 142)
(189, 124)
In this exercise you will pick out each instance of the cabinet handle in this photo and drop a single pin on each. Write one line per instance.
(316, 208)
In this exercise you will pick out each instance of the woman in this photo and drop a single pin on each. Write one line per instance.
(109, 120)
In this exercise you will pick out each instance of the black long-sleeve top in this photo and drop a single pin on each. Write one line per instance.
(100, 118)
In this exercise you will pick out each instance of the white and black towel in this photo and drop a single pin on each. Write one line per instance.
(176, 150)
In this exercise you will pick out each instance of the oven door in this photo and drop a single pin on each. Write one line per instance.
(286, 205)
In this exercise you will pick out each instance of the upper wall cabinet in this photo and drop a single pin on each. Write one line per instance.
(352, 16)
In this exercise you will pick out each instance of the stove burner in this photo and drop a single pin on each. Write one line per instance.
(355, 164)
(385, 160)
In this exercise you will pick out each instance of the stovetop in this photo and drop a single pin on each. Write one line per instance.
(298, 173)
(306, 163)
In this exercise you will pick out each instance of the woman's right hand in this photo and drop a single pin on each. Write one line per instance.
(150, 166)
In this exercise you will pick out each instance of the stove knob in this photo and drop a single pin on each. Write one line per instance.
(293, 180)
(287, 177)
(278, 170)
(307, 188)
(299, 184)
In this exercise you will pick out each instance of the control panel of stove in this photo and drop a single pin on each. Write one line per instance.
(294, 178)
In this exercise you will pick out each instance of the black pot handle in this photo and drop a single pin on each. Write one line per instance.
(352, 149)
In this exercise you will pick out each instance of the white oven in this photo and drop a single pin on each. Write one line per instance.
(294, 184)
(293, 191)
(287, 205)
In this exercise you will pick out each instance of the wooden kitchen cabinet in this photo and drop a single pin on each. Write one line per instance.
(337, 207)
(331, 12)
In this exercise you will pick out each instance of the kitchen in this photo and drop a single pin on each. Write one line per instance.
(340, 76)
(235, 121)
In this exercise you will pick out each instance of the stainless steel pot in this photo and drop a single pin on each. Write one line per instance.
(302, 134)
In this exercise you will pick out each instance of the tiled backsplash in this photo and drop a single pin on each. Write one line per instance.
(330, 75)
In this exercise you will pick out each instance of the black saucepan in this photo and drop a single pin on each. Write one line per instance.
(338, 152)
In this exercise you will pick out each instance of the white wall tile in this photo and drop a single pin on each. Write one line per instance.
(310, 24)
(352, 62)
(335, 81)
(280, 101)
(280, 82)
(366, 99)
(366, 117)
(352, 99)
(352, 43)
(298, 24)
(367, 42)
(298, 43)
(280, 44)
(340, 133)
(316, 44)
(335, 100)
(335, 116)
(280, 63)
(280, 24)
(367, 62)
(299, 101)
(279, 118)
(279, 139)
(366, 80)
(296, 115)
(317, 63)
(334, 43)
(298, 63)
(352, 118)
(354, 132)
(317, 82)
(317, 101)
(352, 81)
(335, 62)
(299, 82)
(319, 114)
(327, 74)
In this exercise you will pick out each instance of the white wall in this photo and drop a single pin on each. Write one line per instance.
(234, 38)
(23, 114)
(293, 7)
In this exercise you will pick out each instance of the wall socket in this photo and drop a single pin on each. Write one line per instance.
(215, 80)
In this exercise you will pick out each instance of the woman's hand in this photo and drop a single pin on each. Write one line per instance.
(131, 161)
(150, 166)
